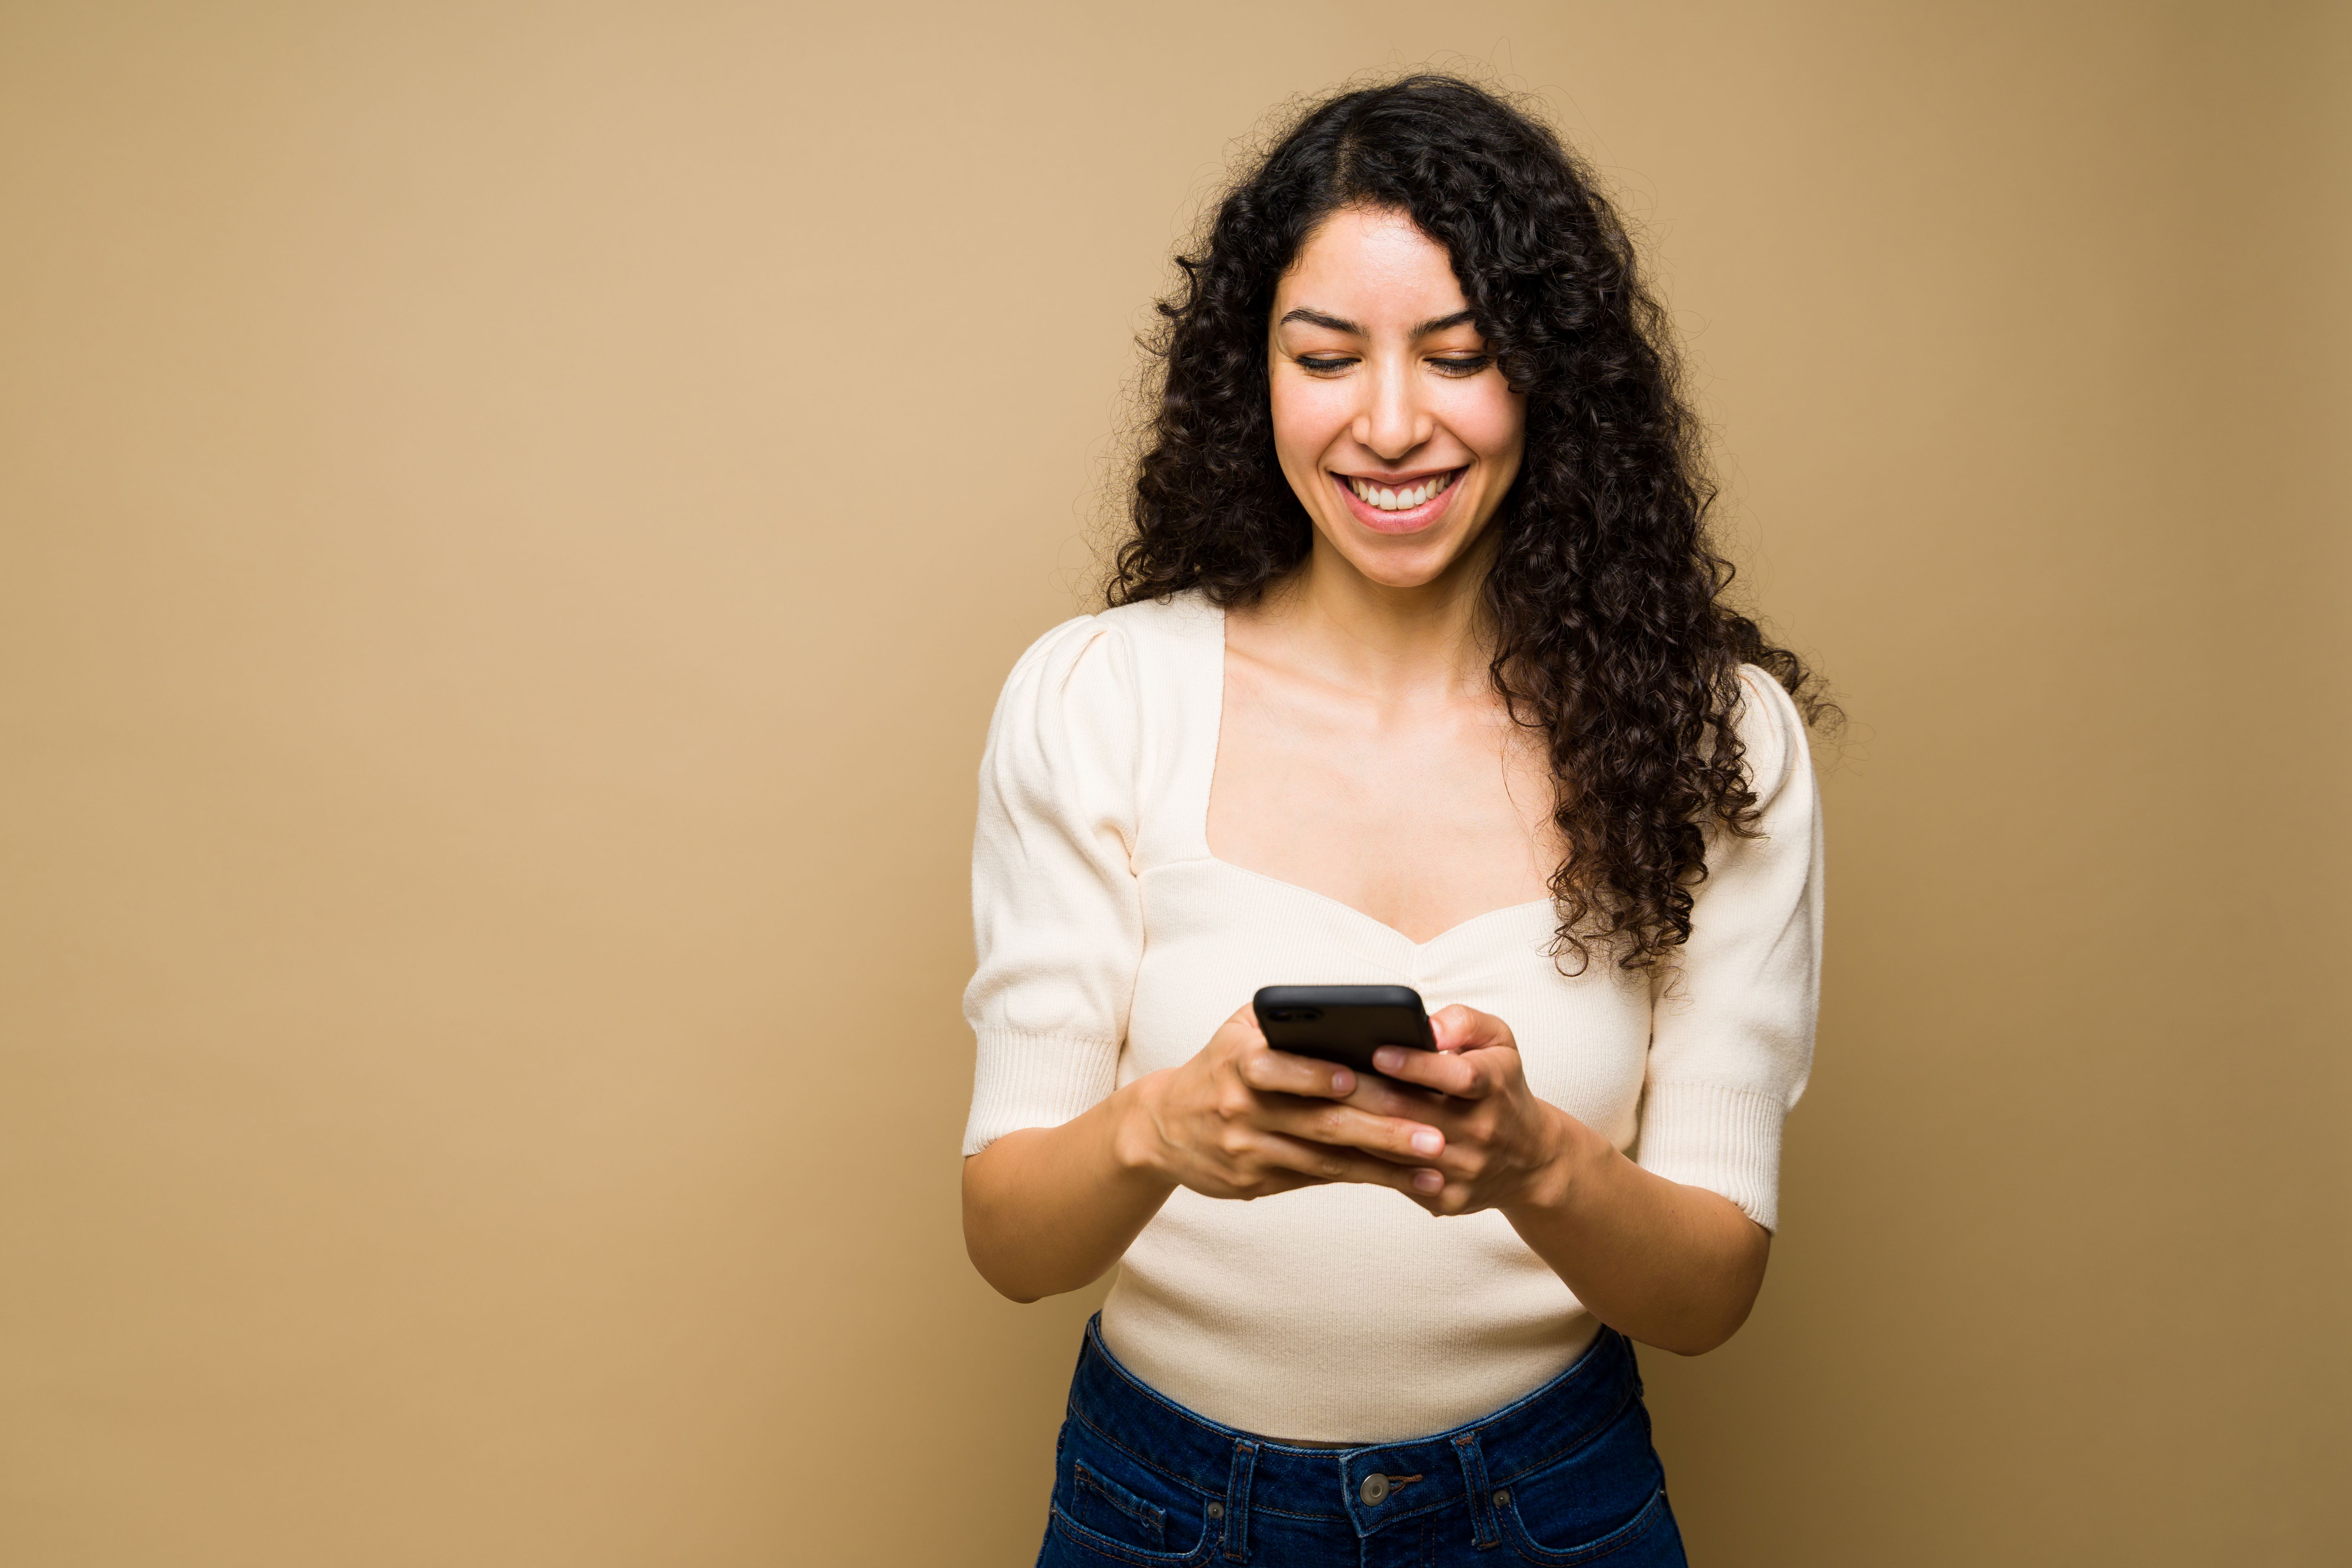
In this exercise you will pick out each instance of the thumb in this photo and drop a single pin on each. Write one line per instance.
(1460, 1028)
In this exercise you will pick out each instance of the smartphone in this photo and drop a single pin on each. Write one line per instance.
(1343, 1024)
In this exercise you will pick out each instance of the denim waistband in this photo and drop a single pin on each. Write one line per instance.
(1468, 1463)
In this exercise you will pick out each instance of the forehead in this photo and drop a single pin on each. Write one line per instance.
(1371, 267)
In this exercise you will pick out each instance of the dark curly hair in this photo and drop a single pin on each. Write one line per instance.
(1606, 598)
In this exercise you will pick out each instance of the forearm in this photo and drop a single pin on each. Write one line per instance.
(1672, 1266)
(1050, 1209)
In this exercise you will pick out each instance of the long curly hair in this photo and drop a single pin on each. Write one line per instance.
(1605, 600)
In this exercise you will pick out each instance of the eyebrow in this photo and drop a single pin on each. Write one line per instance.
(1341, 324)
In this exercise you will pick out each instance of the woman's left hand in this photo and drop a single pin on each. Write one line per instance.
(1503, 1147)
(1671, 1265)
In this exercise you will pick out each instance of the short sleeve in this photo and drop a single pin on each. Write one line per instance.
(1731, 1039)
(1057, 921)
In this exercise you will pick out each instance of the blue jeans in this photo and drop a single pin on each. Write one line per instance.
(1565, 1475)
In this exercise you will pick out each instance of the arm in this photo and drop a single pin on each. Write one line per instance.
(1670, 1250)
(1049, 1209)
(1670, 1265)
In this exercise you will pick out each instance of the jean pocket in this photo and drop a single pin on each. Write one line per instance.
(1117, 1507)
(1110, 1508)
(1607, 1498)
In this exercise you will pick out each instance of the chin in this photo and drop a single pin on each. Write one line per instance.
(1415, 568)
(1400, 559)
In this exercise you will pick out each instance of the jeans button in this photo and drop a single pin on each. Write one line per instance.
(1216, 1511)
(1374, 1491)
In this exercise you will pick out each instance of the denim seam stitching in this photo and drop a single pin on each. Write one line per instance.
(1581, 1441)
(1151, 1516)
(1109, 1441)
(1237, 1501)
(1105, 1546)
(1289, 1513)
(1617, 1540)
(1486, 1530)
(1390, 1516)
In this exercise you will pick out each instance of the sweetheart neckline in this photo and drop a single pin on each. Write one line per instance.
(1374, 920)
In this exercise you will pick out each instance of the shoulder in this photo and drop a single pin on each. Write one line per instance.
(1072, 687)
(1092, 645)
(1064, 730)
(1771, 731)
(1117, 657)
(1061, 654)
(1179, 624)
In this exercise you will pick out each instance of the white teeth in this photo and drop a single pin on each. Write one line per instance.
(1389, 499)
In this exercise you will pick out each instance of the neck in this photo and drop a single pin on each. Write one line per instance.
(1431, 638)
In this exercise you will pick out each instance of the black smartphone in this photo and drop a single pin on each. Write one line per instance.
(1343, 1024)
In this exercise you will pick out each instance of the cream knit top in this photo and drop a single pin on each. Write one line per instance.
(1112, 944)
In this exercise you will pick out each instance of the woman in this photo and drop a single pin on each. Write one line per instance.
(1418, 672)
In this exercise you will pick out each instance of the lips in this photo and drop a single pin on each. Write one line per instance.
(1402, 504)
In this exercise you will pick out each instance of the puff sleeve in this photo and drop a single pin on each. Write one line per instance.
(1057, 919)
(1731, 1037)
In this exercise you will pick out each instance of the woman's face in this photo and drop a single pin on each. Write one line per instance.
(1390, 420)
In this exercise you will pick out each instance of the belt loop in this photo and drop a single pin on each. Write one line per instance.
(1483, 1528)
(1237, 1502)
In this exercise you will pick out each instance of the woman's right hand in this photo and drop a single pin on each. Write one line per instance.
(1243, 1120)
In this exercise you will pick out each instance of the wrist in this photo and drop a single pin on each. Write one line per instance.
(1137, 1149)
(1564, 1174)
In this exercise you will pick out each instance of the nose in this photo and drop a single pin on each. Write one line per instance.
(1393, 420)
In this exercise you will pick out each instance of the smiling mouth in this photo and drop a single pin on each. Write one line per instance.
(1399, 498)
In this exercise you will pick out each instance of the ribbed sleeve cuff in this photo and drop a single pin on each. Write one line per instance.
(1034, 1080)
(1724, 1139)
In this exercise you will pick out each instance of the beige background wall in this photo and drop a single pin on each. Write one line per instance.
(511, 518)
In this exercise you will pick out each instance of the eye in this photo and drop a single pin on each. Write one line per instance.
(1463, 364)
(1323, 364)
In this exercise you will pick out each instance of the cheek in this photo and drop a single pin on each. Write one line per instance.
(1489, 418)
(1308, 416)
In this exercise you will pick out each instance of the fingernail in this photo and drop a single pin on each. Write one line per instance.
(1388, 1058)
(1427, 1180)
(1343, 1081)
(1427, 1143)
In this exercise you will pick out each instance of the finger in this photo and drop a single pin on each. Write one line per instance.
(1448, 1072)
(1273, 1183)
(1346, 1127)
(1329, 1163)
(1384, 1096)
(1446, 1199)
(1279, 1072)
(1440, 1194)
(1243, 1028)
